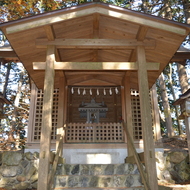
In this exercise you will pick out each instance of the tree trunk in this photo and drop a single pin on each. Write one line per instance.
(182, 78)
(174, 98)
(15, 111)
(166, 106)
(6, 79)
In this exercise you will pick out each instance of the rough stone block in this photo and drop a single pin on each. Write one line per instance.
(29, 156)
(24, 163)
(109, 170)
(85, 169)
(75, 170)
(11, 158)
(34, 178)
(21, 178)
(84, 181)
(73, 181)
(22, 185)
(10, 171)
(177, 157)
(93, 181)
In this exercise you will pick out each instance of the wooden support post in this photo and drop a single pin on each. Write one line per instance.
(45, 140)
(128, 112)
(65, 109)
(123, 108)
(30, 136)
(61, 118)
(156, 115)
(146, 119)
(187, 124)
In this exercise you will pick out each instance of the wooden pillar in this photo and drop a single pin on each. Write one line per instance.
(66, 105)
(61, 110)
(187, 125)
(45, 140)
(32, 111)
(156, 114)
(187, 122)
(149, 152)
(128, 113)
(123, 107)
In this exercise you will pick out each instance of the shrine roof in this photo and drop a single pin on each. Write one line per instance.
(94, 21)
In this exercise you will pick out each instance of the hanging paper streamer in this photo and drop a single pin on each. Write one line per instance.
(78, 90)
(84, 91)
(97, 92)
(104, 91)
(72, 90)
(110, 92)
(116, 91)
(90, 92)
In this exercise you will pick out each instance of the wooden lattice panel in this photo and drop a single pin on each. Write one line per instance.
(38, 116)
(96, 133)
(136, 115)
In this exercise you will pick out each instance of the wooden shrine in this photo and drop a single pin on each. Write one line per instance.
(93, 45)
(93, 111)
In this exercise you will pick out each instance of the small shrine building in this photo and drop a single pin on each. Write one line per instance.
(77, 57)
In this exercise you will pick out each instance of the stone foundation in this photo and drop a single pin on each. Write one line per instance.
(19, 170)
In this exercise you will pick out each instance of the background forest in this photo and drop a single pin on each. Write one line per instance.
(15, 83)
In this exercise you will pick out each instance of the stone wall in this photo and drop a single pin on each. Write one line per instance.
(19, 170)
(173, 167)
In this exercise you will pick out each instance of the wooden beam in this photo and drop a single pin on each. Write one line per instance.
(146, 119)
(107, 66)
(112, 12)
(45, 139)
(95, 43)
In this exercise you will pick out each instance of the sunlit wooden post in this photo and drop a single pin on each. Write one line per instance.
(32, 110)
(146, 119)
(61, 106)
(45, 139)
(128, 111)
(155, 110)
